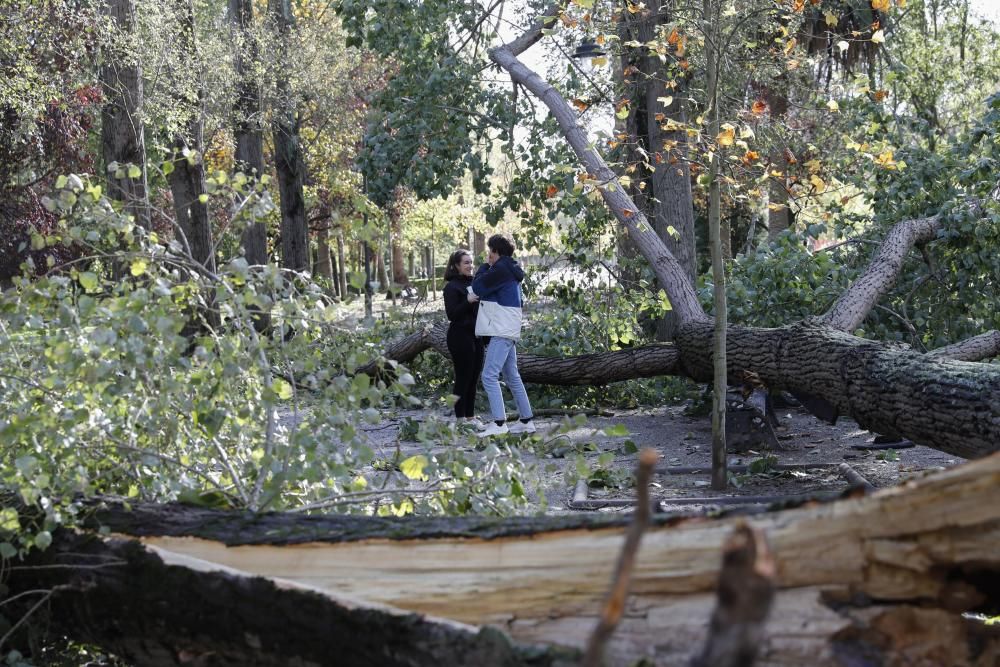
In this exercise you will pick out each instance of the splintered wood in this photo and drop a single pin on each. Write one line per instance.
(884, 576)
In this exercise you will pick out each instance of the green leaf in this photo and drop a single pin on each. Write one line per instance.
(88, 280)
(61, 182)
(168, 168)
(43, 540)
(616, 431)
(203, 199)
(413, 467)
(7, 550)
(282, 389)
(134, 171)
(9, 520)
(138, 267)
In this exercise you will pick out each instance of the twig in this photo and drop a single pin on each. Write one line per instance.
(614, 605)
(745, 592)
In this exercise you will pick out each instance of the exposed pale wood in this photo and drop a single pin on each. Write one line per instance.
(930, 543)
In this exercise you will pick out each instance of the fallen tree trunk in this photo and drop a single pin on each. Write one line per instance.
(879, 579)
(952, 406)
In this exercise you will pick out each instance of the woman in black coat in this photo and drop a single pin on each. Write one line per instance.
(466, 349)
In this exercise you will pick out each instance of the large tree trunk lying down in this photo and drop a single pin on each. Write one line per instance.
(952, 406)
(874, 580)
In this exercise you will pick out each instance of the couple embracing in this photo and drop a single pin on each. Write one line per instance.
(485, 316)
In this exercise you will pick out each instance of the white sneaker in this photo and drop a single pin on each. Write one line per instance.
(475, 423)
(521, 427)
(493, 429)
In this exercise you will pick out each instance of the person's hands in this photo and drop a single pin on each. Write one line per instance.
(472, 297)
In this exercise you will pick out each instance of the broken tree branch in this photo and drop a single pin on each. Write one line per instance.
(984, 346)
(669, 271)
(614, 605)
(885, 268)
(744, 595)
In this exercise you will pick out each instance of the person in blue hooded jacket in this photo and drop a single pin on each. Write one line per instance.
(498, 286)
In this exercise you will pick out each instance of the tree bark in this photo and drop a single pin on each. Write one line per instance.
(952, 406)
(399, 276)
(187, 180)
(247, 117)
(288, 160)
(122, 140)
(877, 579)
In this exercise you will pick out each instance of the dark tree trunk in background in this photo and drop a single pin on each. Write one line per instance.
(187, 180)
(656, 138)
(122, 138)
(288, 160)
(247, 117)
(399, 275)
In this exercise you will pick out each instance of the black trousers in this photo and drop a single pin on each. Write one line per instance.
(467, 352)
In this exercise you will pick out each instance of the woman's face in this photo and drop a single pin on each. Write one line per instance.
(465, 265)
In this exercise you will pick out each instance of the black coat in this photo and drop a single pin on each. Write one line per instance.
(460, 312)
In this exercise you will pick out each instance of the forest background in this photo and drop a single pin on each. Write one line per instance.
(207, 208)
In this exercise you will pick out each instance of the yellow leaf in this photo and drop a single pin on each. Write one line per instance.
(790, 45)
(878, 37)
(727, 136)
(817, 183)
(831, 19)
(138, 267)
(880, 5)
(833, 106)
(413, 467)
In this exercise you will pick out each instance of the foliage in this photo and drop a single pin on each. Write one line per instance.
(121, 387)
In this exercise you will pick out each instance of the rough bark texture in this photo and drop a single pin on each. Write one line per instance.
(288, 160)
(586, 369)
(247, 117)
(125, 598)
(658, 147)
(883, 271)
(187, 180)
(122, 138)
(873, 580)
(953, 406)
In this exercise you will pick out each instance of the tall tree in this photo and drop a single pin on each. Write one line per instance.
(288, 160)
(122, 129)
(248, 116)
(187, 178)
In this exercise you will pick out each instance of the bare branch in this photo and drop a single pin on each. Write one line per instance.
(669, 271)
(977, 348)
(885, 268)
(614, 605)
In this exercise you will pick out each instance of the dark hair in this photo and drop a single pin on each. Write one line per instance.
(451, 271)
(501, 245)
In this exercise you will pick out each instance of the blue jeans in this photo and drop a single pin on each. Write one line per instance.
(501, 355)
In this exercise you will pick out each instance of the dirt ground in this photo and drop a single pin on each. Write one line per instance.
(811, 448)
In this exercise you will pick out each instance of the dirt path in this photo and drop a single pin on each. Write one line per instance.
(598, 449)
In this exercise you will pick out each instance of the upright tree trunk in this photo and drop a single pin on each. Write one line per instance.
(247, 113)
(656, 137)
(122, 140)
(715, 230)
(341, 264)
(288, 159)
(399, 275)
(324, 265)
(187, 180)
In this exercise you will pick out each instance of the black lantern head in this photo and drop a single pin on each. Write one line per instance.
(588, 49)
